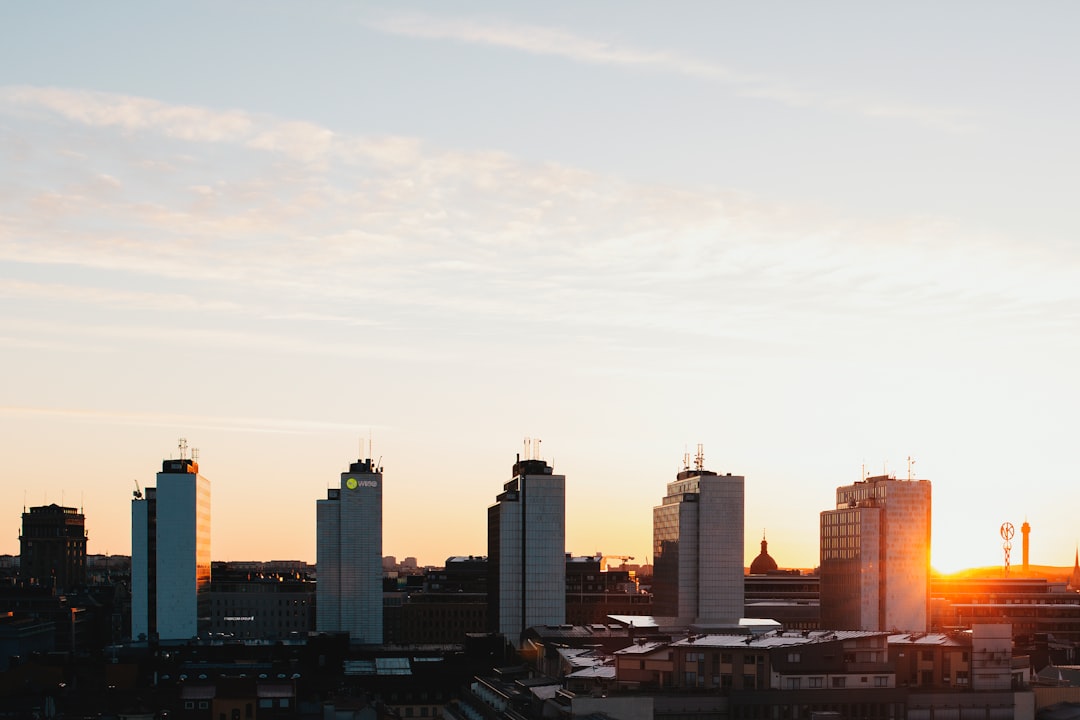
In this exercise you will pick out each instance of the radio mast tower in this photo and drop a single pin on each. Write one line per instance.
(1007, 533)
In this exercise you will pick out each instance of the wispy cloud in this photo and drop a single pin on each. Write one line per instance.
(393, 232)
(555, 42)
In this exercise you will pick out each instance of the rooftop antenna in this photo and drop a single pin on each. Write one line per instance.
(369, 442)
(182, 445)
(862, 476)
(195, 455)
(528, 448)
(1007, 533)
(910, 465)
(537, 449)
(685, 459)
(699, 459)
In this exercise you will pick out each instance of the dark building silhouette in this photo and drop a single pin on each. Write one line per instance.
(260, 603)
(763, 563)
(52, 547)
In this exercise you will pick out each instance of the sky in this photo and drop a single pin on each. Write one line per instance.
(817, 239)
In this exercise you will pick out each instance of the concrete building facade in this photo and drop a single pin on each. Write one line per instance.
(170, 554)
(52, 547)
(527, 551)
(698, 547)
(875, 556)
(349, 591)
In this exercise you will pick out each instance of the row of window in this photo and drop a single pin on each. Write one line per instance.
(815, 683)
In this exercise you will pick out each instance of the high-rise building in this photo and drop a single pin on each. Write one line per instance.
(170, 554)
(348, 594)
(875, 556)
(698, 547)
(52, 547)
(527, 550)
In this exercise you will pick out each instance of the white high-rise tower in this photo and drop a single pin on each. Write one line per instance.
(527, 551)
(349, 556)
(170, 553)
(698, 547)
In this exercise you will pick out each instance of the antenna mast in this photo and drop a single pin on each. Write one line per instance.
(1007, 532)
(699, 459)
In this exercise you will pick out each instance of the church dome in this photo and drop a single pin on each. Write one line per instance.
(763, 563)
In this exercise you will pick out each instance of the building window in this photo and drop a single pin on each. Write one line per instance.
(794, 657)
(927, 654)
(792, 683)
(961, 677)
(881, 681)
(816, 682)
(839, 682)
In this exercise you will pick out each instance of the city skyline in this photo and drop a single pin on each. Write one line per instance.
(816, 242)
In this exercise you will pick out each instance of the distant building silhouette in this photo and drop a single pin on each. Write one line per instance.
(763, 563)
(170, 553)
(257, 600)
(1074, 579)
(1025, 529)
(527, 550)
(52, 547)
(875, 556)
(698, 547)
(349, 569)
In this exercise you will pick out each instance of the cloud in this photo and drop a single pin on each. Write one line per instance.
(393, 232)
(133, 114)
(554, 42)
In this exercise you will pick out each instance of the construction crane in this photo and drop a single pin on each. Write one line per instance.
(137, 494)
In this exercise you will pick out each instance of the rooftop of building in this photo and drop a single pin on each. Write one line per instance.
(790, 638)
(53, 509)
(957, 639)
